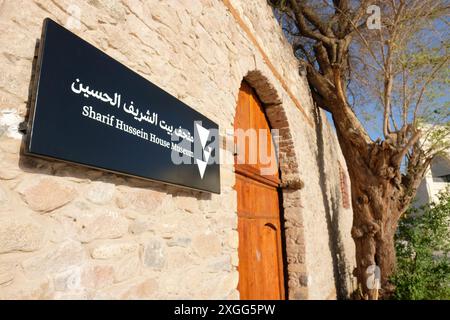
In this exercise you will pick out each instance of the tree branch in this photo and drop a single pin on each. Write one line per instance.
(412, 141)
(427, 82)
(323, 60)
(303, 27)
(315, 20)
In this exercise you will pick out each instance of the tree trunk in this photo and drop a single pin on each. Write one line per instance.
(375, 200)
(386, 258)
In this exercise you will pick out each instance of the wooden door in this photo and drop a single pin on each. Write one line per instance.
(260, 248)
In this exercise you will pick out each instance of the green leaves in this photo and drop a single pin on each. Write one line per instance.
(423, 252)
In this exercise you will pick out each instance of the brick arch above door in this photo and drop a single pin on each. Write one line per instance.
(276, 115)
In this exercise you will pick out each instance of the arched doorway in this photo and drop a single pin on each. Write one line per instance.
(260, 247)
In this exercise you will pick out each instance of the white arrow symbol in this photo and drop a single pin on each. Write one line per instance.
(201, 167)
(203, 133)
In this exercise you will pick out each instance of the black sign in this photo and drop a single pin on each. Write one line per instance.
(92, 110)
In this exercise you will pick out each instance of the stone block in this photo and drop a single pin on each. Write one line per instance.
(20, 233)
(179, 242)
(207, 245)
(96, 223)
(45, 194)
(109, 250)
(126, 267)
(97, 276)
(143, 201)
(55, 259)
(178, 258)
(100, 192)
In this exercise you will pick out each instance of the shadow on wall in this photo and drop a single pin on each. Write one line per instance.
(58, 168)
(342, 272)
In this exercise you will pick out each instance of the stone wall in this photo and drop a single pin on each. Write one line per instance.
(71, 232)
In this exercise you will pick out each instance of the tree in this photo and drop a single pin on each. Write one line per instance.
(423, 252)
(393, 69)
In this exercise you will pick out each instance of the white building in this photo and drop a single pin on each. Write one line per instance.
(436, 179)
